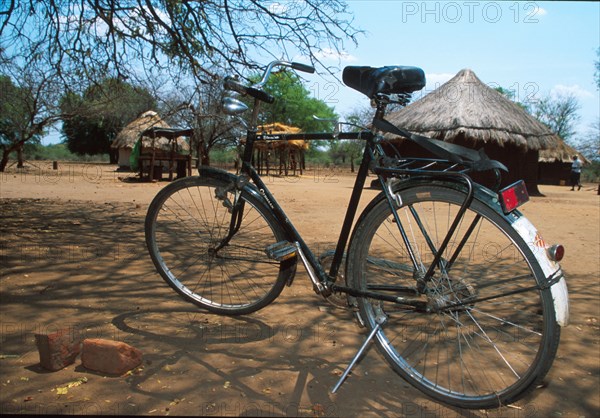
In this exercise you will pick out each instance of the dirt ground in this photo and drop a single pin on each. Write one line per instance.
(72, 255)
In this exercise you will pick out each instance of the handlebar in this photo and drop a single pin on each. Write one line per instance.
(256, 90)
(231, 84)
(303, 67)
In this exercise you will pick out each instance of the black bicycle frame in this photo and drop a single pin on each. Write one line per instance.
(292, 232)
(327, 280)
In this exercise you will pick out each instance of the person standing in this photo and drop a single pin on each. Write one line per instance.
(576, 173)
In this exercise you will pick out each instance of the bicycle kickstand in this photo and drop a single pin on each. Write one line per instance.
(380, 320)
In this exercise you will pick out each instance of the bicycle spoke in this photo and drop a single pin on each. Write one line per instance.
(476, 335)
(206, 261)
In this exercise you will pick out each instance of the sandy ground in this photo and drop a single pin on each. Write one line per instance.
(72, 255)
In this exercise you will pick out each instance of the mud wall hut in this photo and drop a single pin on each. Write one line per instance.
(555, 164)
(467, 112)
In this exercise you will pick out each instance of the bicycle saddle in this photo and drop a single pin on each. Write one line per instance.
(387, 80)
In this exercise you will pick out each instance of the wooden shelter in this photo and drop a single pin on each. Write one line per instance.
(130, 134)
(467, 112)
(289, 154)
(152, 154)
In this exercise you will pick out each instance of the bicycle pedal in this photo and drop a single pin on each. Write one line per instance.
(282, 250)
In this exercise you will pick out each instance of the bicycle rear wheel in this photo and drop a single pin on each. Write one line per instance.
(482, 354)
(187, 226)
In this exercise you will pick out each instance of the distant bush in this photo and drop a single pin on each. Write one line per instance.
(223, 155)
(591, 172)
(57, 152)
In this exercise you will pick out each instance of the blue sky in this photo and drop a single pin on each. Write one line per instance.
(533, 48)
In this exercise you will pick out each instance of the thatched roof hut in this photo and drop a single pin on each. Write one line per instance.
(555, 164)
(466, 111)
(130, 134)
(562, 153)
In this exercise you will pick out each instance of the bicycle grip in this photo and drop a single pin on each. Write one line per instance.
(231, 83)
(260, 95)
(303, 67)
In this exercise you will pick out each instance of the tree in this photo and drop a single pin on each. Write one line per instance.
(88, 39)
(27, 107)
(357, 120)
(91, 121)
(558, 113)
(212, 128)
(589, 144)
(293, 104)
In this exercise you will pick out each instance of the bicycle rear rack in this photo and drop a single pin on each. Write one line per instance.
(398, 166)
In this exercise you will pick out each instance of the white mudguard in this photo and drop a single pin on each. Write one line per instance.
(534, 240)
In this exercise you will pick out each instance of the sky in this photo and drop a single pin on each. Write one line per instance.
(530, 48)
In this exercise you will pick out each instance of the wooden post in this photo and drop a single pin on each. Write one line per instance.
(151, 169)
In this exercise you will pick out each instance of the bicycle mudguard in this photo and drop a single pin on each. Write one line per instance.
(527, 231)
(551, 269)
(220, 174)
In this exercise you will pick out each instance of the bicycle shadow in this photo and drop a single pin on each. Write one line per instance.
(243, 352)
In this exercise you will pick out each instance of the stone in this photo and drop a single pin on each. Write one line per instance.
(110, 357)
(59, 349)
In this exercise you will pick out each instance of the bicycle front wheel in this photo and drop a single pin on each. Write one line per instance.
(207, 259)
(484, 334)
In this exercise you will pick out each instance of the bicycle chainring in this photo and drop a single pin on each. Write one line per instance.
(337, 299)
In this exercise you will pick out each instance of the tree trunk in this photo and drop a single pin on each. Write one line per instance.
(204, 158)
(20, 157)
(4, 160)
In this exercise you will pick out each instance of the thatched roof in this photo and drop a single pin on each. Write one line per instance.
(465, 107)
(277, 128)
(562, 153)
(131, 133)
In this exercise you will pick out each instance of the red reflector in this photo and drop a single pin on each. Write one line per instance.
(556, 252)
(513, 196)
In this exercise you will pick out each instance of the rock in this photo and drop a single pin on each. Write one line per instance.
(111, 357)
(59, 349)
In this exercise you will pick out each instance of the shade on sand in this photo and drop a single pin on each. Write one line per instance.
(464, 107)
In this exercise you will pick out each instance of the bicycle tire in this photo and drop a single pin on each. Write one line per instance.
(188, 219)
(477, 356)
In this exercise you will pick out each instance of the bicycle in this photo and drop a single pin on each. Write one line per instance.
(457, 289)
